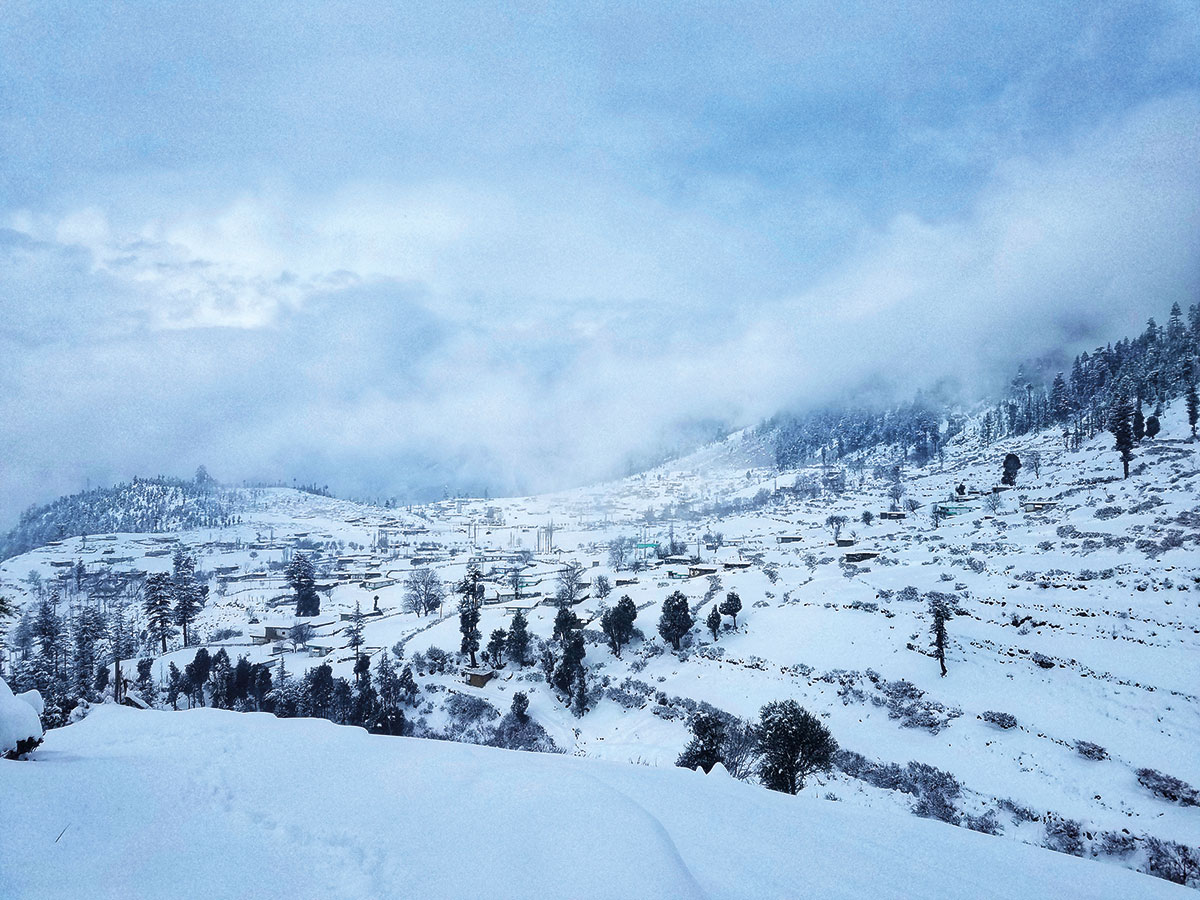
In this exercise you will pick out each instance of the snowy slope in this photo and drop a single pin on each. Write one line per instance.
(218, 804)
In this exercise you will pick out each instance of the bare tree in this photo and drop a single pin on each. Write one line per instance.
(423, 592)
(835, 524)
(1034, 460)
(570, 581)
(299, 635)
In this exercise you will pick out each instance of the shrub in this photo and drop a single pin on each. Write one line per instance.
(1117, 843)
(1064, 836)
(1168, 787)
(1174, 862)
(1000, 719)
(985, 823)
(467, 709)
(1088, 750)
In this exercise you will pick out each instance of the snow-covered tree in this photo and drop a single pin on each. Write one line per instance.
(794, 745)
(676, 619)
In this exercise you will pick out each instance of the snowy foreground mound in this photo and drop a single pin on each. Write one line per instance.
(219, 804)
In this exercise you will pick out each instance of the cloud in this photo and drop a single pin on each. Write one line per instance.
(512, 251)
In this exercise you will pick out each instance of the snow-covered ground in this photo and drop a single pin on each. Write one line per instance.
(1081, 620)
(220, 804)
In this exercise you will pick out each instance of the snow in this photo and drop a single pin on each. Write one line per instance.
(1121, 626)
(18, 717)
(244, 805)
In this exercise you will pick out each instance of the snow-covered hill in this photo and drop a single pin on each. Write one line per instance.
(219, 804)
(1073, 661)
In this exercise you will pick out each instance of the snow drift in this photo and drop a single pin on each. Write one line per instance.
(304, 808)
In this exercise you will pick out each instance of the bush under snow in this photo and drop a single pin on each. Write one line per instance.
(20, 726)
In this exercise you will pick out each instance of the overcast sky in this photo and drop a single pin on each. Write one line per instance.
(390, 246)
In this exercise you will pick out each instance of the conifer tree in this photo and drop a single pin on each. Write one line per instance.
(579, 698)
(90, 628)
(468, 625)
(1193, 407)
(732, 606)
(188, 595)
(495, 647)
(570, 665)
(159, 612)
(705, 747)
(713, 621)
(793, 744)
(518, 639)
(1120, 424)
(174, 679)
(939, 609)
(565, 622)
(617, 624)
(302, 577)
(1139, 422)
(676, 619)
(354, 635)
(520, 707)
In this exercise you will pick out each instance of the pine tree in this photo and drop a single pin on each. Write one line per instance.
(520, 707)
(408, 687)
(570, 665)
(1153, 427)
(518, 639)
(90, 629)
(676, 619)
(1120, 423)
(468, 625)
(48, 633)
(302, 577)
(617, 624)
(565, 622)
(1193, 407)
(354, 634)
(939, 609)
(145, 681)
(1060, 400)
(221, 679)
(159, 613)
(794, 745)
(732, 606)
(174, 679)
(1139, 423)
(188, 594)
(495, 647)
(713, 621)
(705, 747)
(579, 698)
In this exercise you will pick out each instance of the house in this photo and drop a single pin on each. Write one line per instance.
(892, 516)
(133, 699)
(732, 564)
(323, 646)
(788, 539)
(857, 556)
(478, 677)
(1039, 505)
(697, 571)
(845, 542)
(513, 605)
(954, 509)
(622, 582)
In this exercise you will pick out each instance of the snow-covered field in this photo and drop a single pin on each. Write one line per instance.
(1081, 621)
(220, 804)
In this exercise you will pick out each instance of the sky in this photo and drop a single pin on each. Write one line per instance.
(396, 247)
